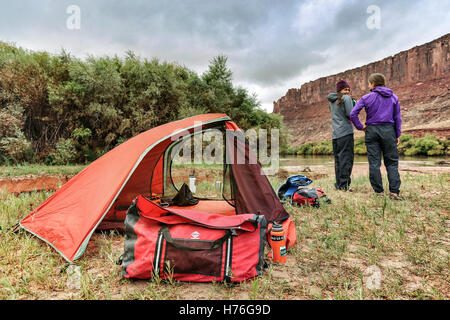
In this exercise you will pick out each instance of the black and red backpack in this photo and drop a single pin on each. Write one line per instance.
(309, 196)
(291, 190)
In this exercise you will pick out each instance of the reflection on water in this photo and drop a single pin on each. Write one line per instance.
(405, 161)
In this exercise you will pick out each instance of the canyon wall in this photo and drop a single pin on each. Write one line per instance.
(420, 77)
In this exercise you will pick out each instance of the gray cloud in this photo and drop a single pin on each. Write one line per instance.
(270, 45)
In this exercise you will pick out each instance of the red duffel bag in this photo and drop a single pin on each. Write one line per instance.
(189, 245)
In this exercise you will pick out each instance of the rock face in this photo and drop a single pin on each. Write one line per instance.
(420, 77)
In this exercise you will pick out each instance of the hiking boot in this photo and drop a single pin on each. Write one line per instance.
(395, 196)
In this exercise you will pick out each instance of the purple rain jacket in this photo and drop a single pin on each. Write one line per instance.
(382, 107)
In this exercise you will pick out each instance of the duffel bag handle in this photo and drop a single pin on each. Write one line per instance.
(216, 244)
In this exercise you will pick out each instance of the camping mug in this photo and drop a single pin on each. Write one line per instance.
(192, 183)
(219, 188)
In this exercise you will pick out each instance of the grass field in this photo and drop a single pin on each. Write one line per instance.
(357, 247)
(38, 169)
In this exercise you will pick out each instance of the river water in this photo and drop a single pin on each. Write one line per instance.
(405, 161)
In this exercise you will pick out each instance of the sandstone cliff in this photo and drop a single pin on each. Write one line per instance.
(420, 77)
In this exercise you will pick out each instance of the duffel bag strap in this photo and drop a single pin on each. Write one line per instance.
(216, 244)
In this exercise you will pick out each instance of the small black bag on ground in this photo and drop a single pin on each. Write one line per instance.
(184, 197)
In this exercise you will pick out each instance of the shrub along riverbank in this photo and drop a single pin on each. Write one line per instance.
(58, 109)
(428, 145)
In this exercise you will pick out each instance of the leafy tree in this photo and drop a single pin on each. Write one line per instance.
(74, 110)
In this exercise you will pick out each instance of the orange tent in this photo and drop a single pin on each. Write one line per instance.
(105, 188)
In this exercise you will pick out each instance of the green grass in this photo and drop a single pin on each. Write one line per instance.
(336, 244)
(38, 169)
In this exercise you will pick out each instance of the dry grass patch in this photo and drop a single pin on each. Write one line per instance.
(357, 247)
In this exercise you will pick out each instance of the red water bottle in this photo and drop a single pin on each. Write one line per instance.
(277, 242)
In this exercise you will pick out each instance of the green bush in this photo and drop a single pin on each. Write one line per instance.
(65, 153)
(305, 149)
(16, 148)
(290, 150)
(428, 145)
(315, 148)
(100, 102)
(360, 147)
(324, 147)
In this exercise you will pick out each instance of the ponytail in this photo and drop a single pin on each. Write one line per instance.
(339, 101)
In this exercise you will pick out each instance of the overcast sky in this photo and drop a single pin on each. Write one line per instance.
(271, 45)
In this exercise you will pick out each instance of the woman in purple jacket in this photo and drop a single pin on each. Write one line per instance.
(382, 133)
